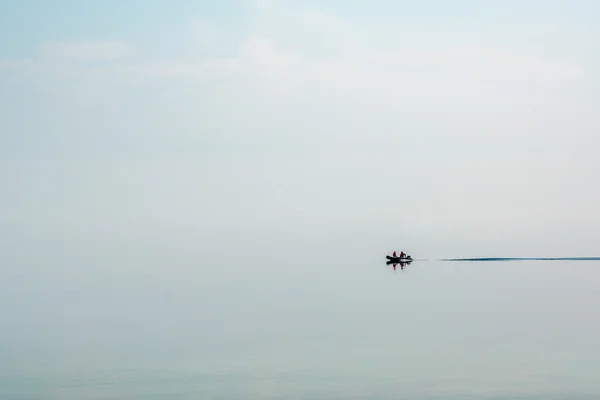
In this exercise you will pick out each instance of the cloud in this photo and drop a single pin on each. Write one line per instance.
(321, 57)
(77, 51)
(387, 74)
(262, 63)
(272, 79)
(314, 46)
(311, 51)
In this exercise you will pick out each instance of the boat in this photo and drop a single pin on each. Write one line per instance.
(406, 259)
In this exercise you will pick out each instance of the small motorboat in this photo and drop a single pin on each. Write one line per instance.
(405, 259)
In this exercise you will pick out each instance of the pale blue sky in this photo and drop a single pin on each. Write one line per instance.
(165, 121)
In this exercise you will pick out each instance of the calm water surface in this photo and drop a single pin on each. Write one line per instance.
(310, 328)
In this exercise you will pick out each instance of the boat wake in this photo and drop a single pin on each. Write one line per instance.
(523, 259)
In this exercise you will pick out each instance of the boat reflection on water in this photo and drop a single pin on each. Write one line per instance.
(395, 263)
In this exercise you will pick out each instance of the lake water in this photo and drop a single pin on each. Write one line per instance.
(312, 327)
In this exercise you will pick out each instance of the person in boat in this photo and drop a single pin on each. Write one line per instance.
(394, 253)
(402, 255)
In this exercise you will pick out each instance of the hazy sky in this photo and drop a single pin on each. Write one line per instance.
(453, 128)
